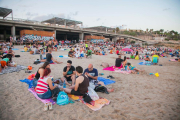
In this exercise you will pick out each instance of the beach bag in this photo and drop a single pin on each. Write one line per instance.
(37, 62)
(137, 57)
(17, 55)
(62, 98)
(94, 96)
(100, 89)
(31, 52)
(87, 98)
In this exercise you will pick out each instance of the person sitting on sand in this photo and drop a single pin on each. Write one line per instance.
(36, 51)
(40, 73)
(5, 62)
(10, 52)
(49, 58)
(124, 62)
(132, 68)
(69, 73)
(147, 58)
(81, 85)
(45, 88)
(25, 49)
(92, 74)
(118, 62)
(71, 53)
(111, 51)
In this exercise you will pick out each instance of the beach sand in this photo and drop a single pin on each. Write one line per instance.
(136, 96)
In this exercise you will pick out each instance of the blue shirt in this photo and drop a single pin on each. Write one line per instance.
(93, 73)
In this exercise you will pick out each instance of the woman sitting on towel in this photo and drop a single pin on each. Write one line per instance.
(40, 73)
(45, 88)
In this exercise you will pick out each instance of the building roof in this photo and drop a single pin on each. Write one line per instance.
(61, 21)
(100, 28)
(5, 12)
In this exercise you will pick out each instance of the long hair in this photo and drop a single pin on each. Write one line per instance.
(46, 72)
(124, 58)
(44, 65)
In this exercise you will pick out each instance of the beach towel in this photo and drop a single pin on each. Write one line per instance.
(13, 69)
(63, 56)
(106, 81)
(141, 63)
(42, 100)
(123, 71)
(29, 82)
(15, 49)
(112, 68)
(96, 105)
(172, 60)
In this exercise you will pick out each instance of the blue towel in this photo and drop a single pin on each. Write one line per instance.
(15, 49)
(106, 81)
(141, 63)
(29, 82)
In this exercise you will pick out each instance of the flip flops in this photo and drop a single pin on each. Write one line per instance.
(110, 76)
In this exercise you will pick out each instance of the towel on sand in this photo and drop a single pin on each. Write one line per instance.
(29, 82)
(63, 56)
(15, 49)
(13, 69)
(42, 100)
(97, 105)
(122, 71)
(112, 68)
(106, 81)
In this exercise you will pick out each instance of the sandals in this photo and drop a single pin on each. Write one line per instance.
(48, 106)
(110, 76)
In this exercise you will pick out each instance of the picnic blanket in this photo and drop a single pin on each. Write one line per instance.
(15, 49)
(97, 105)
(13, 69)
(112, 68)
(123, 71)
(42, 100)
(63, 56)
(172, 60)
(106, 81)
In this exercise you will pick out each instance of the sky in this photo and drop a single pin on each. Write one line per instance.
(131, 14)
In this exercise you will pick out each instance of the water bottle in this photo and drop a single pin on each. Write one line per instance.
(64, 84)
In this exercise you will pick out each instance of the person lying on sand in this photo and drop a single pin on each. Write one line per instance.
(132, 68)
(81, 85)
(92, 74)
(147, 58)
(5, 62)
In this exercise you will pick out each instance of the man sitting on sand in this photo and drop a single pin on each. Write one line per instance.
(36, 51)
(71, 53)
(118, 62)
(92, 74)
(69, 73)
(49, 58)
(81, 86)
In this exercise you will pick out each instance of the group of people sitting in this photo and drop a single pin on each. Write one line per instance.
(77, 80)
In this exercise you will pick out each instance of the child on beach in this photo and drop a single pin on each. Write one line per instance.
(132, 68)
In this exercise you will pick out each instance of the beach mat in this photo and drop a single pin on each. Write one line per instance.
(106, 81)
(42, 100)
(63, 56)
(122, 71)
(29, 82)
(97, 105)
(111, 68)
(172, 60)
(15, 49)
(141, 63)
(13, 69)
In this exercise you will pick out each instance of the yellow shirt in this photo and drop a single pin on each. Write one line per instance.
(25, 49)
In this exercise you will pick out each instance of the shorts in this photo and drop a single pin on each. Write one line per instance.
(68, 78)
(73, 92)
(3, 64)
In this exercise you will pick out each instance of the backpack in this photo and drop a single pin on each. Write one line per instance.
(101, 89)
(62, 98)
(37, 62)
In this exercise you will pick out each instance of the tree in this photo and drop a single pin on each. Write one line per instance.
(161, 30)
(117, 29)
(147, 30)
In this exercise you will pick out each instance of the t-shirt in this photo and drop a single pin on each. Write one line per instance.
(117, 51)
(118, 62)
(71, 70)
(48, 57)
(93, 73)
(6, 59)
(70, 52)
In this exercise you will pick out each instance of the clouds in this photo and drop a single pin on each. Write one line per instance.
(49, 16)
(98, 19)
(166, 9)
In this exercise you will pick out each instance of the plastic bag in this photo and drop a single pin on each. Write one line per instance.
(94, 96)
(62, 98)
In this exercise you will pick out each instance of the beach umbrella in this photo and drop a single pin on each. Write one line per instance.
(127, 49)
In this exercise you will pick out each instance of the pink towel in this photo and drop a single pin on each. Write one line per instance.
(124, 72)
(112, 68)
(42, 100)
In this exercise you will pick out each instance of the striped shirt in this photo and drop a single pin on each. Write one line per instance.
(42, 85)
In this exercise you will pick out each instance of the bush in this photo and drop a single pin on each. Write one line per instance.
(176, 39)
(133, 42)
(166, 39)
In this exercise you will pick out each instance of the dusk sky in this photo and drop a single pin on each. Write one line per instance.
(134, 14)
